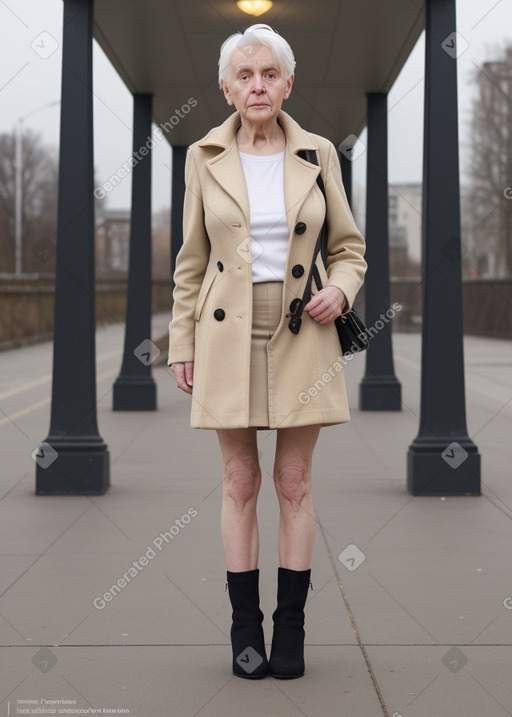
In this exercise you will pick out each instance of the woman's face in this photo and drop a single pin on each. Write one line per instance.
(256, 86)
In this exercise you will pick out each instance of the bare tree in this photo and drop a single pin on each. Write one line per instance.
(39, 203)
(490, 169)
(39, 181)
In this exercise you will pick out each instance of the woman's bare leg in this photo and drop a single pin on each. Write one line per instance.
(292, 479)
(240, 487)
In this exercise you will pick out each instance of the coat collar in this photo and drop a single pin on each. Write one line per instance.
(226, 166)
(224, 135)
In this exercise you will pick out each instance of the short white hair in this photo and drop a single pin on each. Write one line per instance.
(259, 34)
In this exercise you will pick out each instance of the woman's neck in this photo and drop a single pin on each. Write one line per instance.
(258, 138)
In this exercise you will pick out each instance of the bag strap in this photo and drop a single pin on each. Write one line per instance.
(320, 246)
(311, 156)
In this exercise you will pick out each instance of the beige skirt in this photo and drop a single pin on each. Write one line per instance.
(266, 313)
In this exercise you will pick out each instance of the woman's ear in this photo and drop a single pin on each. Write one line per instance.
(289, 83)
(227, 93)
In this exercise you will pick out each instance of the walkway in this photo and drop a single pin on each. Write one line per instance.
(413, 620)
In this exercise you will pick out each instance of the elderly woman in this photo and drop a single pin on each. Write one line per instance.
(252, 214)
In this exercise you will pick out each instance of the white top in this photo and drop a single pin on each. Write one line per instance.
(264, 177)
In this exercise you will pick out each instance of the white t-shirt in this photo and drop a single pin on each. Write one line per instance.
(264, 177)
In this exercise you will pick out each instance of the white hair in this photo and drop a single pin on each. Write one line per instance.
(259, 34)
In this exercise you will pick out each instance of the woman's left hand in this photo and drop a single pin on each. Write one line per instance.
(326, 305)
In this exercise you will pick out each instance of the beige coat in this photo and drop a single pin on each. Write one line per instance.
(213, 271)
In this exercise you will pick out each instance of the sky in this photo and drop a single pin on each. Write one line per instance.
(30, 82)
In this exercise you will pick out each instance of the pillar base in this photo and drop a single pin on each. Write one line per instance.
(134, 393)
(76, 468)
(381, 393)
(449, 466)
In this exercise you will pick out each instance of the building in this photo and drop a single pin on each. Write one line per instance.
(405, 212)
(112, 241)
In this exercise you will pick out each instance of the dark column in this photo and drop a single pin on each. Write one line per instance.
(379, 389)
(179, 155)
(346, 174)
(135, 388)
(73, 459)
(442, 460)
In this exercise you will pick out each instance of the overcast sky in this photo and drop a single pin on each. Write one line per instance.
(28, 82)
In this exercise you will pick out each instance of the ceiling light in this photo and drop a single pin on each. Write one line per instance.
(254, 7)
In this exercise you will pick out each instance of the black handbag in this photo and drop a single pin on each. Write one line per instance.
(352, 332)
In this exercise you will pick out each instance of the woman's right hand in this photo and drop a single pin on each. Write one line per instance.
(183, 373)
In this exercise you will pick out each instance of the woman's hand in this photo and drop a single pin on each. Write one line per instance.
(326, 305)
(184, 374)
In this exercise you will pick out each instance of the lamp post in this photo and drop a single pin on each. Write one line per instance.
(18, 188)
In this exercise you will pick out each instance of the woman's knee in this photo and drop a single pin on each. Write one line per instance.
(241, 469)
(292, 477)
(242, 480)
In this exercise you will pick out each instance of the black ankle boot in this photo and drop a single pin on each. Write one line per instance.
(287, 654)
(247, 640)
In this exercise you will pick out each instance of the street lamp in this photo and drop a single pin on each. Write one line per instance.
(18, 183)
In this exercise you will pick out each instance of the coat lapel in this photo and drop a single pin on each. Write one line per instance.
(226, 167)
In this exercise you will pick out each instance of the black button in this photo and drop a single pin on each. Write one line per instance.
(220, 266)
(300, 228)
(219, 314)
(295, 305)
(298, 271)
(295, 324)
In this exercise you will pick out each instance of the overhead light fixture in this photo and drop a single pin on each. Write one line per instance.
(254, 7)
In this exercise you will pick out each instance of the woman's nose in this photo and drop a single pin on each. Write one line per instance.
(258, 85)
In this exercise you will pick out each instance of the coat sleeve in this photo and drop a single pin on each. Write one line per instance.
(346, 265)
(190, 269)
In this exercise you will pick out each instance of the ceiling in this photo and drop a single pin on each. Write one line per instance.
(343, 49)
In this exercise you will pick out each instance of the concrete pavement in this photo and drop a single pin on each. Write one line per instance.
(413, 620)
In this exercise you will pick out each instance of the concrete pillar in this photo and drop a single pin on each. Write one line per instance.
(73, 459)
(379, 389)
(442, 459)
(179, 154)
(346, 174)
(135, 388)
